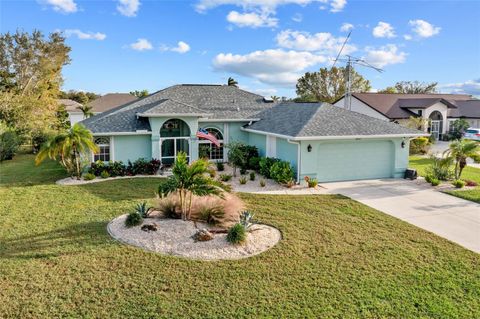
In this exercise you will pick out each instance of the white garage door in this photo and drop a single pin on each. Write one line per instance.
(339, 161)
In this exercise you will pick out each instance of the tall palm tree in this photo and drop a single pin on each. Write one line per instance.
(68, 148)
(189, 180)
(231, 82)
(275, 98)
(86, 110)
(460, 151)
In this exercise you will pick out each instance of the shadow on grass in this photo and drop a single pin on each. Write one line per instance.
(59, 242)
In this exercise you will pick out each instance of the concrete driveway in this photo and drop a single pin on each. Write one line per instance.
(417, 203)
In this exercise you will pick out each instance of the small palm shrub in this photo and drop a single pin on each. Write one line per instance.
(441, 168)
(252, 176)
(143, 210)
(458, 183)
(89, 176)
(212, 214)
(225, 177)
(243, 180)
(133, 219)
(434, 182)
(262, 183)
(237, 234)
(220, 166)
(105, 174)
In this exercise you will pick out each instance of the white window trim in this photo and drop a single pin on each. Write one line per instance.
(111, 145)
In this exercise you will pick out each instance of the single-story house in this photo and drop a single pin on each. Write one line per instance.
(102, 104)
(440, 109)
(319, 140)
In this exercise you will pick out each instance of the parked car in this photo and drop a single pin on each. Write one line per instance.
(472, 134)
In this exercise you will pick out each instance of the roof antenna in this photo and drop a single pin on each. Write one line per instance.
(350, 60)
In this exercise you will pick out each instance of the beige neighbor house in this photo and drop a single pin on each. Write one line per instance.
(100, 105)
(440, 109)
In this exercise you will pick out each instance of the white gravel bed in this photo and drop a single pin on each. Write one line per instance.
(174, 237)
(73, 181)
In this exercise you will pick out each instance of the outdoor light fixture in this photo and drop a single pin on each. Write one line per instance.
(403, 144)
(309, 148)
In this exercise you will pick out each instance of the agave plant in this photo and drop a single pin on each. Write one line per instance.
(246, 219)
(143, 210)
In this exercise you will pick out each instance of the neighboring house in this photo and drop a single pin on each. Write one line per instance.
(100, 105)
(72, 108)
(319, 140)
(439, 109)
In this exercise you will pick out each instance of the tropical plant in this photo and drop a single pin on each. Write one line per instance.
(212, 214)
(242, 180)
(458, 183)
(133, 219)
(86, 110)
(460, 151)
(265, 164)
(9, 144)
(254, 163)
(236, 234)
(419, 145)
(220, 166)
(311, 182)
(434, 182)
(243, 171)
(189, 180)
(281, 172)
(69, 148)
(252, 176)
(169, 208)
(262, 183)
(236, 155)
(231, 82)
(246, 219)
(143, 209)
(105, 174)
(88, 176)
(457, 128)
(440, 168)
(225, 177)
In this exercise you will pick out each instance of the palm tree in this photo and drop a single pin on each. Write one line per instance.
(188, 180)
(68, 148)
(460, 151)
(231, 82)
(86, 110)
(275, 98)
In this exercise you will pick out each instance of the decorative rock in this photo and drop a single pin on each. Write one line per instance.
(149, 227)
(203, 235)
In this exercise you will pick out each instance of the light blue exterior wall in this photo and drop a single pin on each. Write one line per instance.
(260, 141)
(131, 147)
(353, 159)
(235, 132)
(287, 152)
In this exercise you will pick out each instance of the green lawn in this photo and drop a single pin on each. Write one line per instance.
(338, 259)
(469, 173)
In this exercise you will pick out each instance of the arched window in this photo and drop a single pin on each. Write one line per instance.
(208, 149)
(103, 144)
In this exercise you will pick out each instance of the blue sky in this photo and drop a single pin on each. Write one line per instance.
(123, 45)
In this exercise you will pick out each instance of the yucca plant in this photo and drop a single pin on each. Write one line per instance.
(246, 219)
(143, 210)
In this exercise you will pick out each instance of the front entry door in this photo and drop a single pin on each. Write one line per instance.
(171, 146)
(435, 129)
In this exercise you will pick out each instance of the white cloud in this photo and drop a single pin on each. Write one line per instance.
(423, 28)
(252, 19)
(468, 87)
(346, 27)
(64, 6)
(141, 45)
(407, 37)
(128, 8)
(85, 35)
(323, 42)
(277, 66)
(383, 30)
(337, 5)
(297, 17)
(384, 55)
(182, 47)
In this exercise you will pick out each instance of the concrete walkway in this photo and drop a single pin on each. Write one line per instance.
(453, 218)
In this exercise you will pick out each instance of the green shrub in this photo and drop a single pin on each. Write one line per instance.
(225, 177)
(252, 176)
(281, 172)
(243, 180)
(220, 166)
(266, 164)
(89, 176)
(458, 183)
(419, 145)
(105, 174)
(262, 183)
(434, 182)
(143, 209)
(254, 163)
(38, 139)
(476, 158)
(428, 178)
(212, 173)
(9, 144)
(243, 171)
(116, 168)
(236, 234)
(133, 219)
(97, 168)
(169, 208)
(440, 168)
(311, 182)
(212, 214)
(250, 152)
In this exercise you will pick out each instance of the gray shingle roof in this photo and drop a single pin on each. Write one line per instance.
(322, 119)
(223, 102)
(168, 106)
(469, 109)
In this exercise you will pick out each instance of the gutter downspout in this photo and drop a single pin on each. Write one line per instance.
(298, 158)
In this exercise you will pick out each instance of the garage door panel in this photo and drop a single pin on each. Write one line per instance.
(355, 160)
